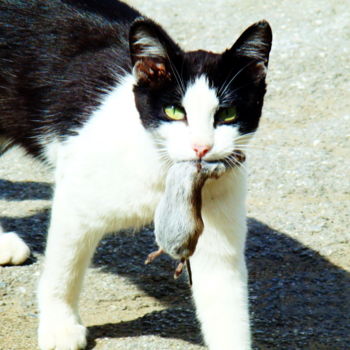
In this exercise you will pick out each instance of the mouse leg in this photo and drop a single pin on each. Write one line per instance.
(153, 256)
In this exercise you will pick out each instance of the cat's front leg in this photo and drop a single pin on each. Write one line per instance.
(220, 294)
(69, 249)
(220, 275)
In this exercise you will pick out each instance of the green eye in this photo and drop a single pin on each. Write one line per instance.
(226, 115)
(175, 113)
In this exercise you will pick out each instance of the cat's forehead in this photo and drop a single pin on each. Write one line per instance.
(200, 102)
(200, 62)
(207, 64)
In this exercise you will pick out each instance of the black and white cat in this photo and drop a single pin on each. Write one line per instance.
(110, 101)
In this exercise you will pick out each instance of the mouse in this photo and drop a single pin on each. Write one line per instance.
(178, 222)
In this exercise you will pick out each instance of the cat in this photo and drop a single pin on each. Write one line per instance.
(105, 97)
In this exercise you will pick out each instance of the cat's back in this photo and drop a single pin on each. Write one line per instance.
(35, 24)
(36, 14)
(57, 58)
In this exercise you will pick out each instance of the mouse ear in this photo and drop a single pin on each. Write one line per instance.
(151, 50)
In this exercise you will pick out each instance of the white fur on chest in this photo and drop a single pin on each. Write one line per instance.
(111, 171)
(111, 176)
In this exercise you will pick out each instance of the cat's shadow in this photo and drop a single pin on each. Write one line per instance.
(299, 300)
(19, 191)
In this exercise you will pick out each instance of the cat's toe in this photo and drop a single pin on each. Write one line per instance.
(62, 336)
(13, 250)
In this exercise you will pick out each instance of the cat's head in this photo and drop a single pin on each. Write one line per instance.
(199, 105)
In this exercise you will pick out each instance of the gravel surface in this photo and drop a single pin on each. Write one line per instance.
(298, 247)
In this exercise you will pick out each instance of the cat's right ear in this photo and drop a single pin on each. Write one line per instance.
(151, 50)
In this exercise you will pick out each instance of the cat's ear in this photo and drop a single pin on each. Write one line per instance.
(151, 50)
(253, 47)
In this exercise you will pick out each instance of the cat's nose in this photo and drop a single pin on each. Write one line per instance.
(201, 150)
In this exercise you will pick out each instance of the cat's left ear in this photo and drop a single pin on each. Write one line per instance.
(151, 50)
(253, 48)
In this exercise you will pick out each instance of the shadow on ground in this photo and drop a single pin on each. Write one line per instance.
(19, 191)
(299, 300)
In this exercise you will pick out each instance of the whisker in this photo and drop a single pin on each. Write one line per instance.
(230, 161)
(248, 134)
(177, 76)
(236, 161)
(163, 155)
(239, 166)
(159, 143)
(248, 147)
(165, 161)
(243, 139)
(242, 86)
(233, 158)
(225, 85)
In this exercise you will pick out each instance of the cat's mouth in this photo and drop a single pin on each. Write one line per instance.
(235, 159)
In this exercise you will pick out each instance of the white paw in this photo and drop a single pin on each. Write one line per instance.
(64, 335)
(13, 250)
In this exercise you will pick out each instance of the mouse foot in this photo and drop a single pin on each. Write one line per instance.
(180, 267)
(153, 256)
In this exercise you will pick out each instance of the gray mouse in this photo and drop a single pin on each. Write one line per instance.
(178, 221)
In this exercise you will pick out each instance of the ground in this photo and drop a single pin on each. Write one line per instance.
(298, 206)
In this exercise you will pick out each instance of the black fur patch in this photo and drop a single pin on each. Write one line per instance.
(58, 58)
(56, 63)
